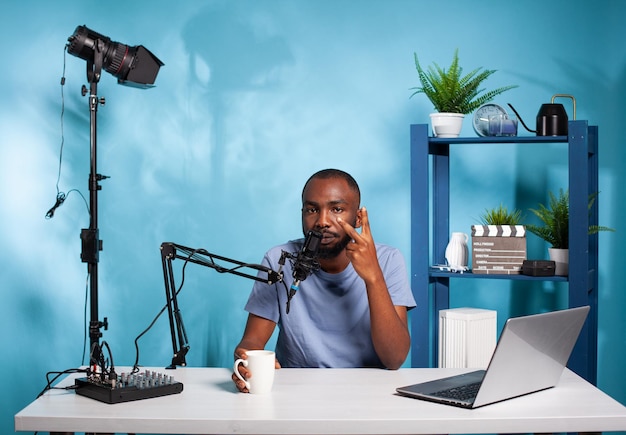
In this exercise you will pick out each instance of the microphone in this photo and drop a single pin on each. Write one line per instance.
(305, 262)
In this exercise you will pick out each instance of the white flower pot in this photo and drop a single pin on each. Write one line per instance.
(561, 261)
(446, 124)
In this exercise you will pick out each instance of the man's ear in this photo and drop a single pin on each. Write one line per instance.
(359, 222)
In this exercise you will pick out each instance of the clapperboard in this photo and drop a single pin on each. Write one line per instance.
(498, 249)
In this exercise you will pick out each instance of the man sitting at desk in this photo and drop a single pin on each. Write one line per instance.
(352, 312)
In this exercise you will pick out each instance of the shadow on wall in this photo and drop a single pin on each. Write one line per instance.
(241, 54)
(235, 53)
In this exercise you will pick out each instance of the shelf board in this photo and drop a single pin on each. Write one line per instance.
(517, 277)
(497, 139)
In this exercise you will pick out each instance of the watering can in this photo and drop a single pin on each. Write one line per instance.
(551, 118)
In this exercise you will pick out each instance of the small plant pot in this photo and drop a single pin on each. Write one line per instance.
(446, 124)
(561, 261)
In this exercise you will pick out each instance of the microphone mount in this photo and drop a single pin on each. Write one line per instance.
(172, 251)
(303, 263)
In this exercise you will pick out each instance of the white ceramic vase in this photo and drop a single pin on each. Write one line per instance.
(561, 260)
(457, 252)
(446, 124)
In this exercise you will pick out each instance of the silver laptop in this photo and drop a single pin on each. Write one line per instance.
(530, 356)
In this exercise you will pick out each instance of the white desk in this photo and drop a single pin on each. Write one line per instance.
(323, 401)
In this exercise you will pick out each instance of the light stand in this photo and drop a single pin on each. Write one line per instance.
(91, 243)
(171, 251)
(133, 66)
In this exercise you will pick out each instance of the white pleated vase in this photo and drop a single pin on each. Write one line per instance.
(457, 252)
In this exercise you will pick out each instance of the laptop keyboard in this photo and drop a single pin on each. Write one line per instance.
(463, 392)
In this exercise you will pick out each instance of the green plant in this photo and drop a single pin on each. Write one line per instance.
(501, 216)
(555, 229)
(450, 91)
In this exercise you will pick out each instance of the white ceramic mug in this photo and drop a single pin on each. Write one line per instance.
(262, 365)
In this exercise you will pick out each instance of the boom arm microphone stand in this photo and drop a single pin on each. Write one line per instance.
(91, 244)
(171, 251)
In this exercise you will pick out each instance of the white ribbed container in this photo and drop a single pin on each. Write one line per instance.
(467, 337)
(457, 252)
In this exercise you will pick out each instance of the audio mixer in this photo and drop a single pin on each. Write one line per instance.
(128, 387)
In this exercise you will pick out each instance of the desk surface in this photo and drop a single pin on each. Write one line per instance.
(323, 401)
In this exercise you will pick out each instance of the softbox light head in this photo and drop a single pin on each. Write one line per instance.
(133, 66)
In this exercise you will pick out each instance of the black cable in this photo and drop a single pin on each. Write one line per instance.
(191, 255)
(180, 287)
(97, 358)
(62, 117)
(85, 327)
(62, 196)
(59, 374)
(110, 369)
(60, 199)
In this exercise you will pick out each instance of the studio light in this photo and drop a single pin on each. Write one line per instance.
(133, 66)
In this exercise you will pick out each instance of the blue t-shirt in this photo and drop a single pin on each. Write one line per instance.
(328, 324)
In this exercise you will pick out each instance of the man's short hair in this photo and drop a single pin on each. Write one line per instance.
(335, 173)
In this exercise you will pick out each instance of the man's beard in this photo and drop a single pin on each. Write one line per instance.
(333, 252)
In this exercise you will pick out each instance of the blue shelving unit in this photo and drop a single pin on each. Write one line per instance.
(430, 173)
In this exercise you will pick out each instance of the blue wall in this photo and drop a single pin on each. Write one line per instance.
(254, 97)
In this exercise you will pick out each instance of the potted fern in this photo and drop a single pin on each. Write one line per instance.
(499, 243)
(453, 94)
(555, 227)
(501, 216)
